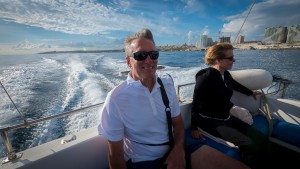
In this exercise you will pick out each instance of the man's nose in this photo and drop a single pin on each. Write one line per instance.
(148, 59)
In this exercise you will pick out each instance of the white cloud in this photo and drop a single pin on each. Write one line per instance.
(205, 31)
(73, 17)
(190, 37)
(175, 19)
(192, 6)
(124, 4)
(270, 13)
(26, 45)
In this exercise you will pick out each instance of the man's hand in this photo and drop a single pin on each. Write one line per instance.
(176, 158)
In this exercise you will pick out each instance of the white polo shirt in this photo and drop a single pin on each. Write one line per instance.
(131, 111)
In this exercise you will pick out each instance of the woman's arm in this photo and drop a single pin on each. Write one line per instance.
(198, 96)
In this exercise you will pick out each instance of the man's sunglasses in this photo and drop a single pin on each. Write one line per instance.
(231, 58)
(142, 55)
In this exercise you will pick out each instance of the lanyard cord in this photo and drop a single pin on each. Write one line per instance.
(168, 112)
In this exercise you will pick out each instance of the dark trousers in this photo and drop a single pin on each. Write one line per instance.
(254, 146)
(153, 164)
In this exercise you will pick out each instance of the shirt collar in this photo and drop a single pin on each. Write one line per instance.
(131, 81)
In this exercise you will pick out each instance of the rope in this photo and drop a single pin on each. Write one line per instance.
(265, 109)
(21, 114)
(244, 21)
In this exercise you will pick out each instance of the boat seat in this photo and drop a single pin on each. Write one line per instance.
(282, 131)
(261, 123)
(212, 141)
(287, 132)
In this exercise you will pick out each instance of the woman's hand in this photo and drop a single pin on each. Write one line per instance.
(255, 93)
(196, 134)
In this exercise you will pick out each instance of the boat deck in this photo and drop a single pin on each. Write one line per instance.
(88, 151)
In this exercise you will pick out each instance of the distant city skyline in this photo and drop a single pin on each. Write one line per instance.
(29, 26)
(273, 35)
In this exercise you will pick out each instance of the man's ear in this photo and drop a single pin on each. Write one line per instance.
(128, 62)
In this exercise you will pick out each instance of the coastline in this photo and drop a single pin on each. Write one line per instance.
(260, 46)
(243, 46)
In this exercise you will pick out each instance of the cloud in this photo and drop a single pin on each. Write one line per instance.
(205, 31)
(193, 6)
(270, 13)
(110, 43)
(72, 17)
(190, 37)
(26, 45)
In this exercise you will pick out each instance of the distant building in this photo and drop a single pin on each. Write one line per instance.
(210, 42)
(203, 41)
(240, 39)
(293, 34)
(224, 39)
(275, 35)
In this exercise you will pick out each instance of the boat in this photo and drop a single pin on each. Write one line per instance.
(88, 149)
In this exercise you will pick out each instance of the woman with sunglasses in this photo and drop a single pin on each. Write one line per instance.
(211, 106)
(133, 118)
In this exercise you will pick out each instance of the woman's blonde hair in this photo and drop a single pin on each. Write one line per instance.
(216, 52)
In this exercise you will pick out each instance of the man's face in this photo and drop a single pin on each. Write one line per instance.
(144, 69)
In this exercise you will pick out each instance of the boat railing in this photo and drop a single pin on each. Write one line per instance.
(181, 86)
(11, 154)
(280, 84)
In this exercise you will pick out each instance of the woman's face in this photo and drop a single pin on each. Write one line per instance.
(227, 62)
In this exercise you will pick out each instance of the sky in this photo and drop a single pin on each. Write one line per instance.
(32, 26)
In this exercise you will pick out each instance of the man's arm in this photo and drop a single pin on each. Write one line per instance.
(116, 155)
(176, 158)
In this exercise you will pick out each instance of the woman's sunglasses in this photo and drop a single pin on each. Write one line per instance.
(142, 55)
(231, 58)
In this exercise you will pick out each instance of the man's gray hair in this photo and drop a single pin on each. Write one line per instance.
(143, 33)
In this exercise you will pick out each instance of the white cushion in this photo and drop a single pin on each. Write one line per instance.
(241, 113)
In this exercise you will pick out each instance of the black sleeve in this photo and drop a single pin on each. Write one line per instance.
(199, 94)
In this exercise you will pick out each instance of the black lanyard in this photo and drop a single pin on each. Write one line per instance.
(168, 111)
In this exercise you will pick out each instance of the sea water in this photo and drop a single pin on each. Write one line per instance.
(42, 85)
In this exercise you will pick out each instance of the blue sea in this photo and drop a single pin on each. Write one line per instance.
(47, 84)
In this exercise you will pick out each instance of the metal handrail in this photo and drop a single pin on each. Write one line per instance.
(281, 82)
(30, 123)
(182, 85)
(4, 131)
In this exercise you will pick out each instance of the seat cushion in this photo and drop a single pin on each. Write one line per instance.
(287, 132)
(282, 130)
(192, 144)
(261, 123)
